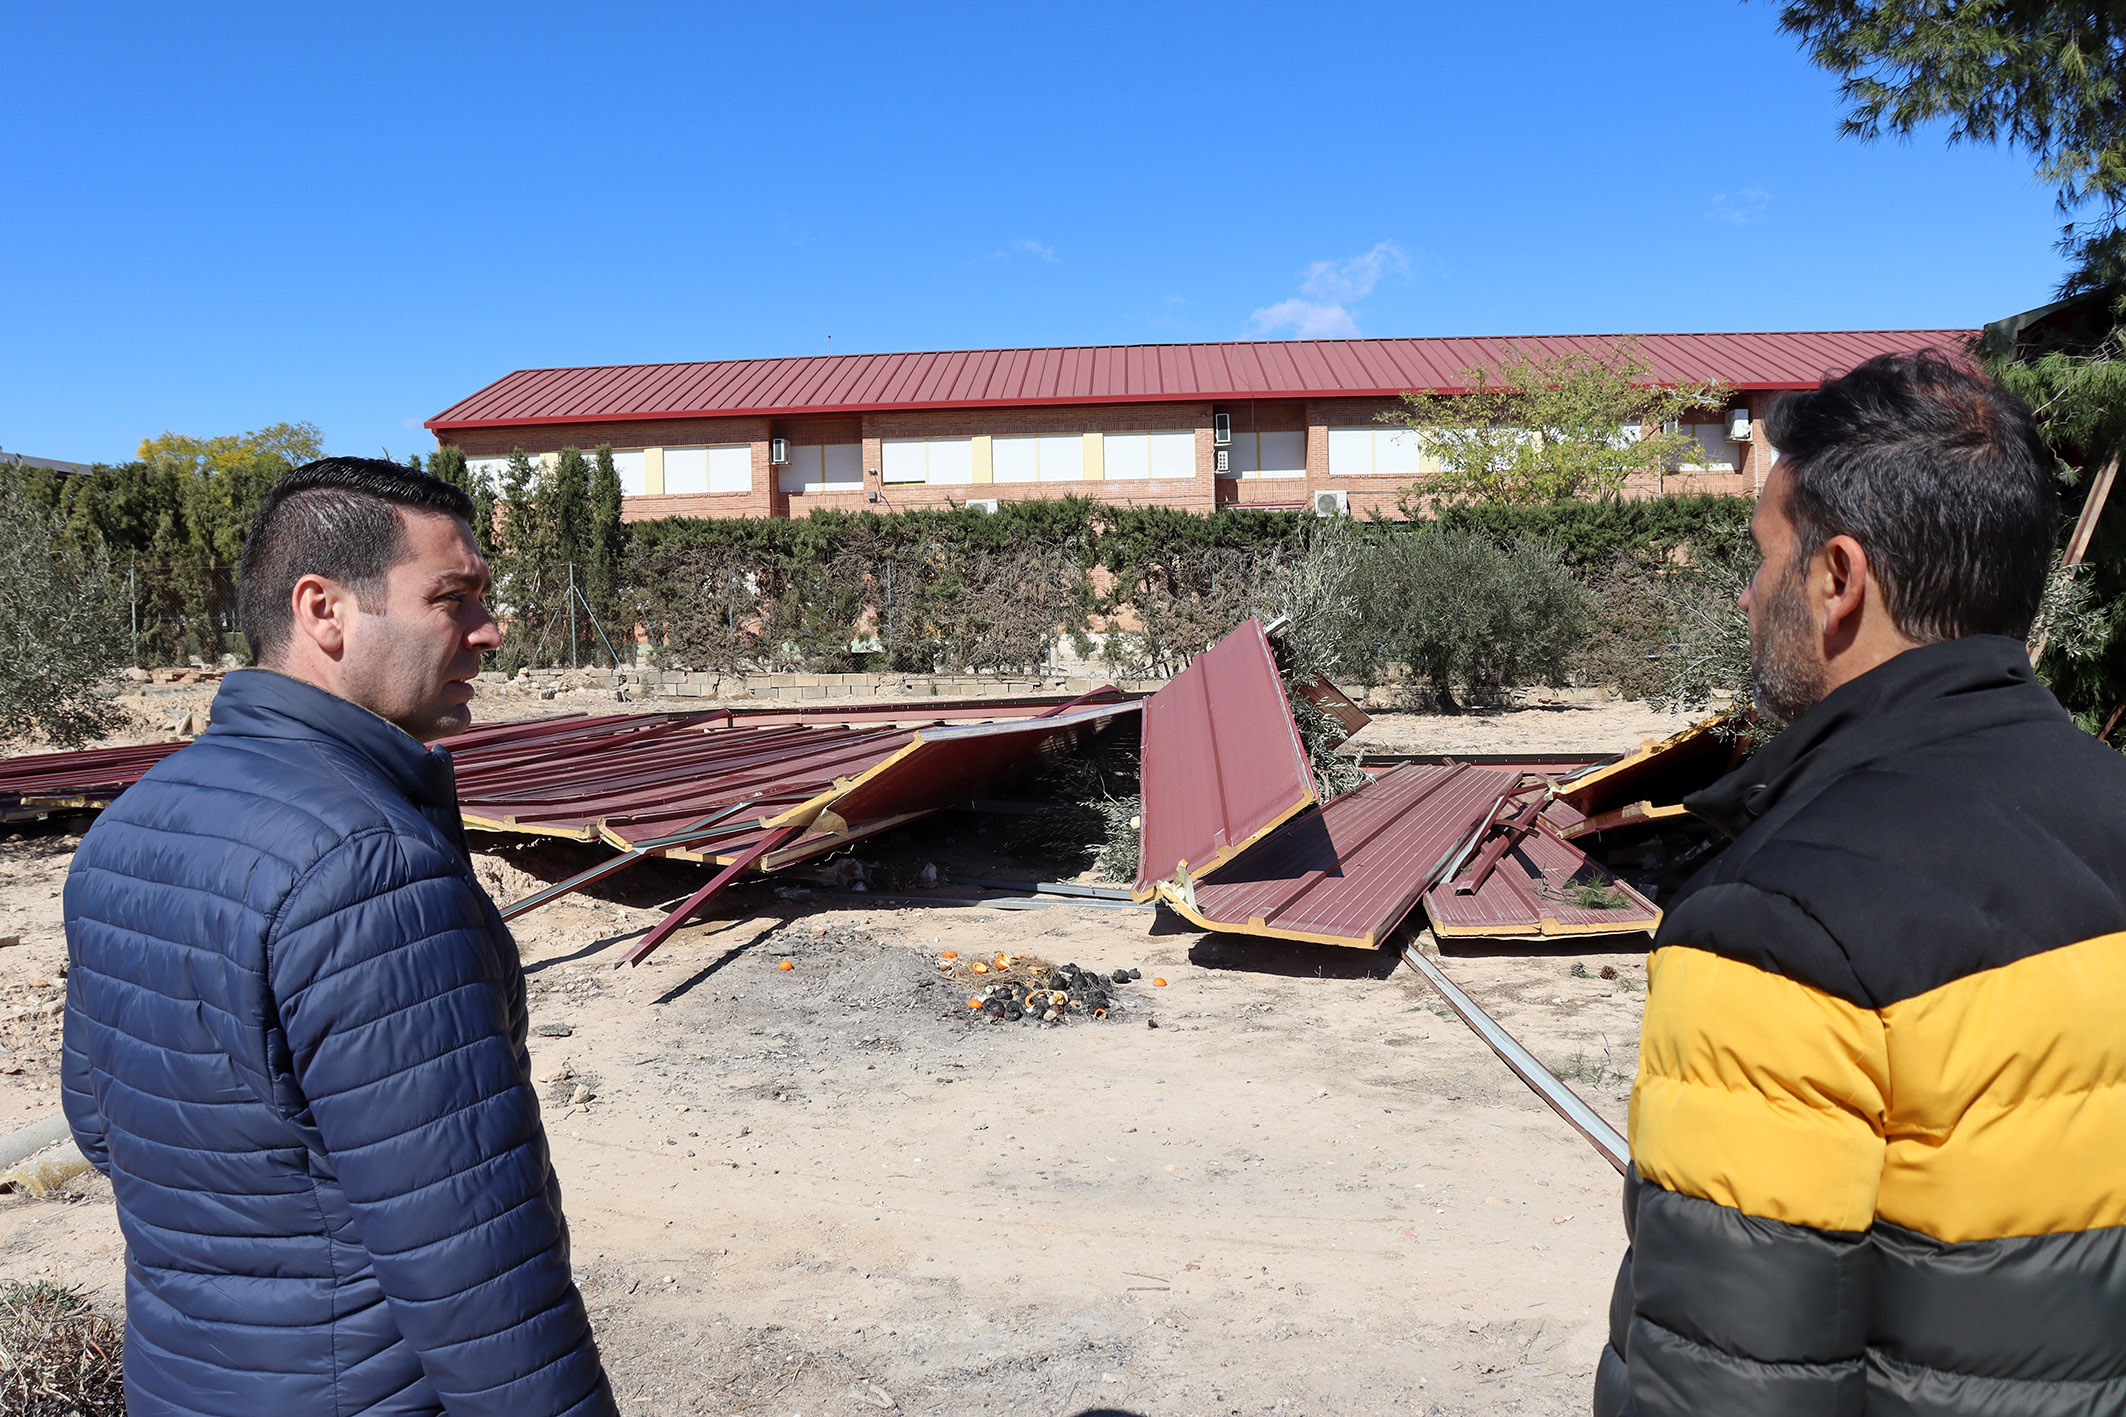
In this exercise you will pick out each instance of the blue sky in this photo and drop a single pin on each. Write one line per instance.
(225, 216)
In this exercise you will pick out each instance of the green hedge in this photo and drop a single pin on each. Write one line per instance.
(1591, 536)
(952, 588)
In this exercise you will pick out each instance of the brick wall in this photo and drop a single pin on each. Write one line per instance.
(1203, 492)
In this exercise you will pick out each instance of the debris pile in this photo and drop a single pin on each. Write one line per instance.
(1007, 988)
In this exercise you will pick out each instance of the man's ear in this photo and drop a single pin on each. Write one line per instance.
(1843, 570)
(323, 610)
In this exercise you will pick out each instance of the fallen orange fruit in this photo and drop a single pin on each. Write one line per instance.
(981, 969)
(1159, 983)
(786, 965)
(950, 954)
(974, 1003)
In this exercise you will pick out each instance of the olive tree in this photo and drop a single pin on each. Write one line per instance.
(63, 627)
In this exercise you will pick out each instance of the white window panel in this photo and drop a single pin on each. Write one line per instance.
(686, 471)
(1270, 454)
(834, 467)
(1015, 459)
(947, 462)
(1284, 454)
(1062, 457)
(1715, 452)
(803, 473)
(1361, 452)
(1398, 451)
(1172, 455)
(1350, 452)
(633, 479)
(904, 460)
(951, 462)
(731, 468)
(492, 468)
(843, 464)
(1128, 457)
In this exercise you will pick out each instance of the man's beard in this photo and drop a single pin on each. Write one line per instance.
(1784, 661)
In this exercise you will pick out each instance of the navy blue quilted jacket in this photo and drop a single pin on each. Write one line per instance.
(295, 1042)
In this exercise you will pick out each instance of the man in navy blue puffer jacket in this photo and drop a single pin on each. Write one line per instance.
(295, 1023)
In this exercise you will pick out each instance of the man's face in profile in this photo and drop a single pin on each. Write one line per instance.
(1786, 641)
(413, 658)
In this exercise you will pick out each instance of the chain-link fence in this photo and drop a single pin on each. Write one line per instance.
(180, 611)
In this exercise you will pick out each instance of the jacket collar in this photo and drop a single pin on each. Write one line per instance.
(1922, 696)
(264, 703)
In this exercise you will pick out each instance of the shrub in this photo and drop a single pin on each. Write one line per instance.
(1460, 612)
(63, 627)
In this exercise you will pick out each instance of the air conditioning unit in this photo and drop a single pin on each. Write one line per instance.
(1222, 460)
(982, 504)
(1221, 429)
(778, 452)
(1332, 504)
(1738, 425)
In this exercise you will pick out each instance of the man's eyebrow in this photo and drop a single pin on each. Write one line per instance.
(451, 580)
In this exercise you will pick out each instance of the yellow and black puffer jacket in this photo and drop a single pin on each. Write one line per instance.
(1878, 1133)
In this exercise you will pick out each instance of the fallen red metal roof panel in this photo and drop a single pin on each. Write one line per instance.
(1543, 887)
(1348, 874)
(1658, 772)
(1222, 762)
(941, 766)
(1258, 369)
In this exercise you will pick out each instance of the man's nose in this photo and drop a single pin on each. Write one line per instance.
(485, 635)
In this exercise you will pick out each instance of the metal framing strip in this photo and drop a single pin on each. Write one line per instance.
(648, 944)
(1510, 835)
(1541, 1081)
(1631, 814)
(617, 864)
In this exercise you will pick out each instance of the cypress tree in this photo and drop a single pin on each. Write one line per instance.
(570, 517)
(607, 538)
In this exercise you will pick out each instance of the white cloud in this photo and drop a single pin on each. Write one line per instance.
(1327, 291)
(1307, 319)
(1739, 208)
(1024, 246)
(1354, 279)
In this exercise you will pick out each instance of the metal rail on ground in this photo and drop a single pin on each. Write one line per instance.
(1543, 1082)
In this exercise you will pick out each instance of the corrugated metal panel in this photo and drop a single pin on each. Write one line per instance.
(1348, 874)
(848, 383)
(1658, 772)
(1222, 761)
(941, 766)
(1533, 892)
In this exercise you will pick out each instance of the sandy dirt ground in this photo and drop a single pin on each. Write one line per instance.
(1286, 1181)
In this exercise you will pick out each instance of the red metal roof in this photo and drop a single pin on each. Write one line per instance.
(1348, 874)
(1532, 893)
(1222, 761)
(1254, 369)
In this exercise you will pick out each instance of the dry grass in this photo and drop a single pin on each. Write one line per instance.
(59, 1357)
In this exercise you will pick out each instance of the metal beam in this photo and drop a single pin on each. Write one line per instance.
(1543, 1082)
(767, 843)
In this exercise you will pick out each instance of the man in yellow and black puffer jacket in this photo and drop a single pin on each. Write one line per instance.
(1879, 1129)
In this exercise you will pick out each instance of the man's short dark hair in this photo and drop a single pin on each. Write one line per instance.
(337, 518)
(1940, 475)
